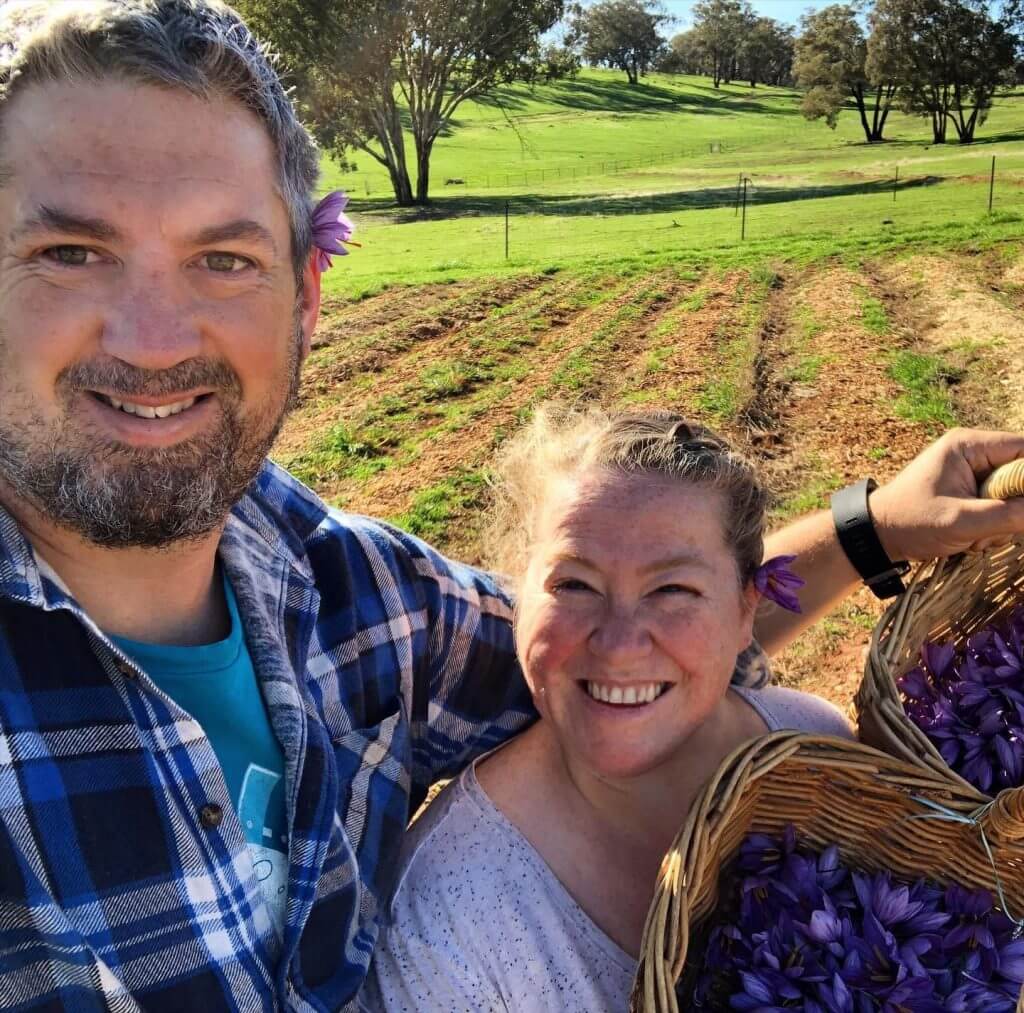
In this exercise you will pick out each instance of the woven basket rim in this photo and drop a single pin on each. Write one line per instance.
(692, 865)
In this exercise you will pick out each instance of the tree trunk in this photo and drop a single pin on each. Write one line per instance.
(388, 131)
(423, 171)
(858, 96)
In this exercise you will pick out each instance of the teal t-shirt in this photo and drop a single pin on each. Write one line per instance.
(217, 685)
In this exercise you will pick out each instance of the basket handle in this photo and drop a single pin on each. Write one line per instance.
(1005, 817)
(1006, 482)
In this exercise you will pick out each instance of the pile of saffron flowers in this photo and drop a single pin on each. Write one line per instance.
(970, 704)
(808, 933)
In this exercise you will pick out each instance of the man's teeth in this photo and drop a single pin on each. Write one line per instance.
(149, 411)
(626, 696)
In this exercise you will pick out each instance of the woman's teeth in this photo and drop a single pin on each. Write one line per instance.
(149, 411)
(626, 696)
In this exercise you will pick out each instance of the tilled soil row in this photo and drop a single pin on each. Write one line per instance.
(371, 344)
(471, 441)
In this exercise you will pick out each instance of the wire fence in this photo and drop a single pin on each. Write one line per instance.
(491, 232)
(376, 185)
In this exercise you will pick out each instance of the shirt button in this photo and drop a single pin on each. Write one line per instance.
(210, 815)
(125, 669)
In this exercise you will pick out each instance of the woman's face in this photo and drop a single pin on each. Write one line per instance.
(630, 617)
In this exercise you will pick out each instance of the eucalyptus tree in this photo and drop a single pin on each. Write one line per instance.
(373, 75)
(831, 64)
(623, 34)
(950, 57)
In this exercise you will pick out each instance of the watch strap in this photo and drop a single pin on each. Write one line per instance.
(856, 533)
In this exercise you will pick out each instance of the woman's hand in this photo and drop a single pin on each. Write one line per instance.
(931, 508)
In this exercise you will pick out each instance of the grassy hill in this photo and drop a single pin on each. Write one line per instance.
(595, 170)
(828, 345)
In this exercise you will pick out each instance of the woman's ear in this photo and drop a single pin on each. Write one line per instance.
(750, 598)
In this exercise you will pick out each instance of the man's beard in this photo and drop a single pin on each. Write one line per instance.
(120, 496)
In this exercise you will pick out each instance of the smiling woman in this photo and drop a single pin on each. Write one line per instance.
(635, 545)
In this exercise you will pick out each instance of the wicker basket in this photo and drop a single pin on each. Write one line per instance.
(832, 791)
(948, 599)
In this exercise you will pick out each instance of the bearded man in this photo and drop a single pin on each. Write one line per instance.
(218, 698)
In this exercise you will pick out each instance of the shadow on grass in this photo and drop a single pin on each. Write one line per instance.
(588, 95)
(612, 204)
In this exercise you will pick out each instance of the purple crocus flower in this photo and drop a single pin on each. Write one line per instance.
(811, 934)
(331, 228)
(970, 703)
(776, 582)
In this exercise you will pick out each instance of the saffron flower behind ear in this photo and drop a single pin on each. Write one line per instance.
(774, 581)
(331, 229)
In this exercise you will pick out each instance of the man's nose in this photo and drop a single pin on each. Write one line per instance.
(619, 636)
(153, 322)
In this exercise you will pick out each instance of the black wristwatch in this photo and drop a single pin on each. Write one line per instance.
(856, 532)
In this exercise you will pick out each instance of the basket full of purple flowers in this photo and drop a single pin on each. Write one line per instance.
(821, 875)
(944, 680)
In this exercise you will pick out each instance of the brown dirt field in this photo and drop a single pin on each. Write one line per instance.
(816, 406)
(470, 445)
(957, 308)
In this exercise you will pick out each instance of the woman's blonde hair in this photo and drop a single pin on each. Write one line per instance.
(563, 442)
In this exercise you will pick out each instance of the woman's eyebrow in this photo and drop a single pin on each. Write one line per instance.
(672, 562)
(668, 563)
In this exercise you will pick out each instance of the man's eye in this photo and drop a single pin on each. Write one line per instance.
(69, 256)
(226, 263)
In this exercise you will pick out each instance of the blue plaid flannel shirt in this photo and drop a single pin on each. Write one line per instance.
(384, 667)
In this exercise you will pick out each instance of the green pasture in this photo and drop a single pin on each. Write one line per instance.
(594, 170)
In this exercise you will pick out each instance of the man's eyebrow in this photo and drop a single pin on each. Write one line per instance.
(47, 219)
(240, 228)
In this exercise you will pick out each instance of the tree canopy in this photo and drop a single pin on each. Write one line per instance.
(948, 56)
(370, 71)
(619, 33)
(831, 64)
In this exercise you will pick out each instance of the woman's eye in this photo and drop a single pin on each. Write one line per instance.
(226, 263)
(675, 589)
(70, 256)
(571, 584)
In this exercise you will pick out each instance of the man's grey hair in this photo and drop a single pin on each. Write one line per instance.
(200, 46)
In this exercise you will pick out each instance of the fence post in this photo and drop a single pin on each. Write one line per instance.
(739, 186)
(992, 184)
(743, 226)
(506, 230)
(895, 184)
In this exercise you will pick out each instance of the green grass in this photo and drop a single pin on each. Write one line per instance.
(593, 175)
(730, 387)
(925, 380)
(433, 508)
(343, 452)
(873, 315)
(812, 495)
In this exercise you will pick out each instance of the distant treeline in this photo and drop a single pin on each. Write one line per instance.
(940, 59)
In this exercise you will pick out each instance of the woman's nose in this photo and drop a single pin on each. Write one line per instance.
(619, 635)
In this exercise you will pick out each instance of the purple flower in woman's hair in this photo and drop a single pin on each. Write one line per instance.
(775, 581)
(331, 228)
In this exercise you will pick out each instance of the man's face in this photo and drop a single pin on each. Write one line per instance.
(150, 330)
